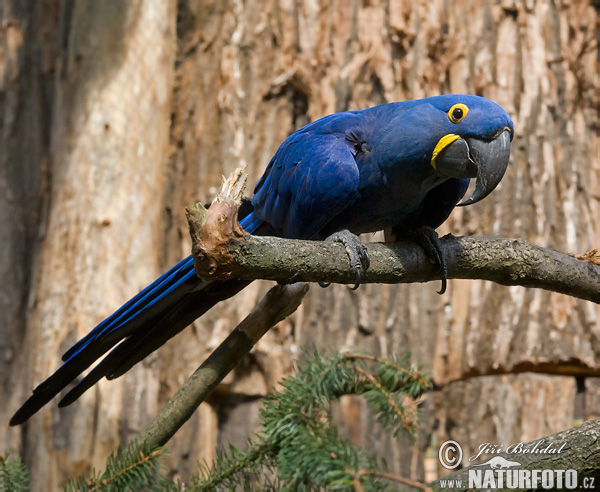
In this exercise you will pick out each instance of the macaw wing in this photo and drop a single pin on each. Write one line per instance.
(311, 178)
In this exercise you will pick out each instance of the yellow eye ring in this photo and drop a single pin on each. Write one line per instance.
(457, 112)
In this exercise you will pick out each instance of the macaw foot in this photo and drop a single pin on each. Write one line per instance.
(429, 240)
(357, 252)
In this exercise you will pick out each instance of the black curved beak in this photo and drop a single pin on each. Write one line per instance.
(485, 160)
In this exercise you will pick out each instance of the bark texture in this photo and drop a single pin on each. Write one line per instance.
(221, 255)
(106, 123)
(27, 62)
(117, 115)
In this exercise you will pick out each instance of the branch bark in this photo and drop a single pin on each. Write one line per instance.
(502, 260)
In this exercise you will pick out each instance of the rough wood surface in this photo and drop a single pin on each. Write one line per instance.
(29, 33)
(511, 262)
(503, 410)
(108, 132)
(92, 194)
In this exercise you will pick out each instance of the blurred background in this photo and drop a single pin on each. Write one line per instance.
(116, 115)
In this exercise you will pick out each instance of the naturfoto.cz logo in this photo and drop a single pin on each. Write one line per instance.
(500, 472)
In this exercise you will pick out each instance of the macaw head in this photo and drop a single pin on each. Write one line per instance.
(471, 139)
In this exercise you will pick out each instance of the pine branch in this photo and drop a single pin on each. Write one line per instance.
(397, 367)
(125, 470)
(297, 434)
(118, 475)
(14, 476)
(228, 468)
(408, 422)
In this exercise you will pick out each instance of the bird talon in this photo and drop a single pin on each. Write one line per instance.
(365, 259)
(357, 253)
(357, 281)
(324, 285)
(430, 242)
(443, 288)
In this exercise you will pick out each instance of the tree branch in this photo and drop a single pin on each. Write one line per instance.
(501, 260)
(222, 251)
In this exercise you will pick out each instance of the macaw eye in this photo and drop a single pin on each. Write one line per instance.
(457, 112)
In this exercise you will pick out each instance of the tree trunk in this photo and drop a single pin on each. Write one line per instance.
(114, 121)
(108, 145)
(28, 57)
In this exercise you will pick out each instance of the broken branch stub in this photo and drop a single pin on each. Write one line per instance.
(211, 229)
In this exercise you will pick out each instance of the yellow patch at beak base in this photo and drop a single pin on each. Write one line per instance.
(441, 145)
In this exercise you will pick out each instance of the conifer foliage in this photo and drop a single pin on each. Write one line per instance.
(298, 442)
(297, 447)
(13, 474)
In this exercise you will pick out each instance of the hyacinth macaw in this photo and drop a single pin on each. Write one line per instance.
(402, 165)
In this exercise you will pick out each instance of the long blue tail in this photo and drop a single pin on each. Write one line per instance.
(135, 330)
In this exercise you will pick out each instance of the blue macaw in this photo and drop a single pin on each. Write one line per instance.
(402, 165)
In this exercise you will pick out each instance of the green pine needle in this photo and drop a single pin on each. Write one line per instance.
(14, 475)
(298, 447)
(124, 471)
(296, 429)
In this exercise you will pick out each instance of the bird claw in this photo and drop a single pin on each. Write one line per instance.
(357, 253)
(429, 240)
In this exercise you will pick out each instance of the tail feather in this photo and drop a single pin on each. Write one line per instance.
(139, 327)
(194, 306)
(149, 296)
(153, 335)
(48, 389)
(109, 332)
